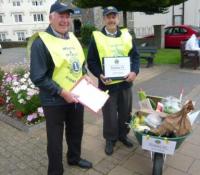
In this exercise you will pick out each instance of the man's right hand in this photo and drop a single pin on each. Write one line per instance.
(105, 80)
(68, 96)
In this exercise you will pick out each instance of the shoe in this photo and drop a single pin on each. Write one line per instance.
(82, 163)
(126, 142)
(109, 147)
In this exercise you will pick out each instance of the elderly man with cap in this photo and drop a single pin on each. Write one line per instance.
(57, 63)
(113, 42)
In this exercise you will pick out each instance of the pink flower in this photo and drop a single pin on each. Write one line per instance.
(31, 92)
(14, 78)
(9, 79)
(31, 117)
(40, 111)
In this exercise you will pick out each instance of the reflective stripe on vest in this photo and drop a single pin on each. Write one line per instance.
(68, 58)
(113, 47)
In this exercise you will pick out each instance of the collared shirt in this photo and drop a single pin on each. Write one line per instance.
(65, 36)
(110, 34)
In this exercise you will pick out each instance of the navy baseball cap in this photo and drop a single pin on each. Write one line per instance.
(109, 10)
(60, 8)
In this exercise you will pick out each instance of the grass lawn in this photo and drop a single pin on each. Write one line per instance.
(168, 56)
(163, 56)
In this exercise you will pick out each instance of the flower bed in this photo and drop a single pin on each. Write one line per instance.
(19, 97)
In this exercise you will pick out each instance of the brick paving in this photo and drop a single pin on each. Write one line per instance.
(24, 153)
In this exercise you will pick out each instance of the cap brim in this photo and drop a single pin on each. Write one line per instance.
(64, 9)
(109, 12)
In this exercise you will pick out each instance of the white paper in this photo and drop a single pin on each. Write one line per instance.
(193, 116)
(116, 66)
(158, 145)
(89, 95)
(145, 104)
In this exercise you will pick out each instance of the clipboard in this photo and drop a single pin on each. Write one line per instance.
(89, 95)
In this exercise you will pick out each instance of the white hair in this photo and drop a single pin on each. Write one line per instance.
(52, 14)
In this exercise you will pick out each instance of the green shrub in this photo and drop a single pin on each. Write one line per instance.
(13, 44)
(19, 71)
(29, 106)
(1, 75)
(86, 33)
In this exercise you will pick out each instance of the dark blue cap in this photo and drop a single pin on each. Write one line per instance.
(60, 8)
(109, 10)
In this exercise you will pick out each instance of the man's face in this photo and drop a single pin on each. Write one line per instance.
(60, 21)
(111, 21)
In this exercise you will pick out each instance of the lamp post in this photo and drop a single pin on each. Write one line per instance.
(183, 13)
(173, 21)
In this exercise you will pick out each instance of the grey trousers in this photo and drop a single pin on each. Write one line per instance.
(116, 113)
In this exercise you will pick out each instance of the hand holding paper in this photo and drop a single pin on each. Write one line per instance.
(68, 96)
(89, 95)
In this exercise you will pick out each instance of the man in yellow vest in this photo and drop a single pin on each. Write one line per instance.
(57, 63)
(113, 42)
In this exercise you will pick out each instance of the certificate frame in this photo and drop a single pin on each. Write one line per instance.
(116, 68)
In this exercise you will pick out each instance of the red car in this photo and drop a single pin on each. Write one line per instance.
(175, 34)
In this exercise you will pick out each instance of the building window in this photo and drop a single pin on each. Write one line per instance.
(16, 3)
(21, 36)
(37, 3)
(2, 36)
(38, 17)
(1, 19)
(18, 18)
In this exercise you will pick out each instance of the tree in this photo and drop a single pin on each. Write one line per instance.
(66, 1)
(147, 6)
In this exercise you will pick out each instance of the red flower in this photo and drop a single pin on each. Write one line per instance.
(2, 101)
(19, 114)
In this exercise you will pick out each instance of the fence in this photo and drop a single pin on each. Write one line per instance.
(141, 32)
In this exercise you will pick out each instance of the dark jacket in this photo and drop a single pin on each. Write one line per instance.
(41, 71)
(95, 67)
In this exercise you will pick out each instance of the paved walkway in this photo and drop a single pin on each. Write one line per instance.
(25, 153)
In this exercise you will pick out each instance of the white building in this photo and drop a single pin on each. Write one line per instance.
(143, 24)
(21, 18)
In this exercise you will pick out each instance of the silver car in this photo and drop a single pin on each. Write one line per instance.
(0, 49)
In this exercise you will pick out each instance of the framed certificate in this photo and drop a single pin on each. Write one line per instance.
(116, 68)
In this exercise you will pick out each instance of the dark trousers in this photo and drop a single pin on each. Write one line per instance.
(116, 113)
(56, 117)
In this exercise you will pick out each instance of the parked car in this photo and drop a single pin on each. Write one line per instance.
(175, 34)
(0, 49)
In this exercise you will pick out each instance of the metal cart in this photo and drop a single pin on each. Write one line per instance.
(159, 157)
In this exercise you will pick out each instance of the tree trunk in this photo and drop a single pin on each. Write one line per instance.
(124, 19)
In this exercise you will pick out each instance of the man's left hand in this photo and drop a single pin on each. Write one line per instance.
(130, 77)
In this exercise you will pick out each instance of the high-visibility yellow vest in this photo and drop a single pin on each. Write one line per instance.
(113, 47)
(67, 56)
